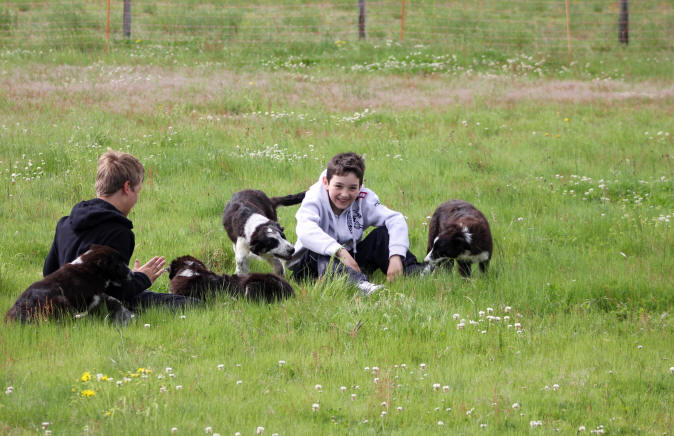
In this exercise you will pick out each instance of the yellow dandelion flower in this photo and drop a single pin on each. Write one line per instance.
(88, 393)
(86, 376)
(108, 413)
(137, 41)
(566, 120)
(105, 377)
(547, 134)
(140, 370)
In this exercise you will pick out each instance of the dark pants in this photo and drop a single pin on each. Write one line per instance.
(148, 299)
(371, 255)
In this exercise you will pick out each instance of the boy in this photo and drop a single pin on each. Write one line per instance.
(104, 221)
(330, 223)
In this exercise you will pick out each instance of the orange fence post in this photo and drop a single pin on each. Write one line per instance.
(568, 28)
(107, 30)
(402, 21)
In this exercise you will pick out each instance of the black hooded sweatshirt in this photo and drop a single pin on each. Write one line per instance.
(95, 222)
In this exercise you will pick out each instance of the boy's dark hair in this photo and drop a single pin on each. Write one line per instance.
(343, 163)
(114, 169)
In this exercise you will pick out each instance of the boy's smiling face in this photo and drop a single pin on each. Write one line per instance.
(342, 191)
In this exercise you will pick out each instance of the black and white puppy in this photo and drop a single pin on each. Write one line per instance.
(458, 231)
(251, 223)
(190, 277)
(76, 287)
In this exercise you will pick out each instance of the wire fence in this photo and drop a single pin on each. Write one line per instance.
(547, 25)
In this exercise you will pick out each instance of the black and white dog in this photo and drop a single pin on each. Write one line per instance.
(76, 288)
(458, 231)
(190, 277)
(251, 223)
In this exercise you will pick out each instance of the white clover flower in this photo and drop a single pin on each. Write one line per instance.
(147, 326)
(581, 428)
(376, 380)
(490, 310)
(45, 425)
(367, 368)
(534, 424)
(516, 406)
(162, 389)
(238, 382)
(182, 317)
(436, 386)
(208, 430)
(671, 369)
(259, 430)
(555, 387)
(315, 407)
(9, 390)
(445, 389)
(383, 413)
(639, 347)
(403, 365)
(353, 397)
(375, 369)
(440, 423)
(221, 366)
(422, 366)
(342, 388)
(481, 313)
(179, 387)
(383, 404)
(168, 370)
(281, 362)
(518, 326)
(399, 408)
(456, 316)
(483, 425)
(318, 387)
(460, 326)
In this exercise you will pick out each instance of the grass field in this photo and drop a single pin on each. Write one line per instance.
(569, 159)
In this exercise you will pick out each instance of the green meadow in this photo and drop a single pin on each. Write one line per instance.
(569, 158)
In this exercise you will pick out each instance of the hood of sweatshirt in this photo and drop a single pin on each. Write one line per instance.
(91, 213)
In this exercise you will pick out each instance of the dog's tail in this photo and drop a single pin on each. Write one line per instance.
(287, 200)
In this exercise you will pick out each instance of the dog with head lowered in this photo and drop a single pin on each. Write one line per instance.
(76, 287)
(190, 277)
(458, 231)
(251, 223)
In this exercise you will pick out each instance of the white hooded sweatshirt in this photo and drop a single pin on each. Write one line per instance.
(323, 232)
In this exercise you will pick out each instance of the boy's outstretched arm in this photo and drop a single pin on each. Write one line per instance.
(152, 269)
(395, 267)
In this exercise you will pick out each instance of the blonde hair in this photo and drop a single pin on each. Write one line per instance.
(114, 169)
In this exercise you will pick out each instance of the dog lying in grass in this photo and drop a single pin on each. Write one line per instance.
(190, 277)
(250, 221)
(458, 231)
(76, 289)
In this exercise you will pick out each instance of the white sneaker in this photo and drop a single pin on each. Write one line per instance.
(368, 288)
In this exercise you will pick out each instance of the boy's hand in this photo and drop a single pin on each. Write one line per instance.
(152, 269)
(346, 258)
(395, 267)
